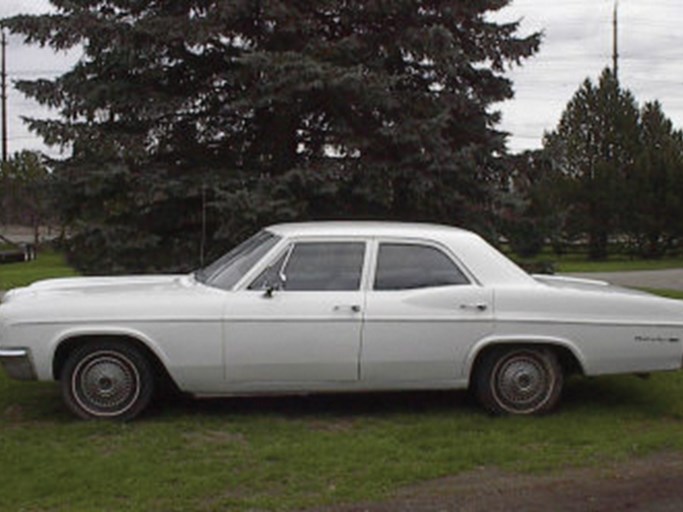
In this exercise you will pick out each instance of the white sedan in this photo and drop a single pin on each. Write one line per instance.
(332, 307)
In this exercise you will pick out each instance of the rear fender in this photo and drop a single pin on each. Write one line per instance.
(496, 341)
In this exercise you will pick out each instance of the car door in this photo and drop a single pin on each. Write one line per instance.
(423, 313)
(299, 321)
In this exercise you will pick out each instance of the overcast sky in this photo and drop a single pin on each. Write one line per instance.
(577, 44)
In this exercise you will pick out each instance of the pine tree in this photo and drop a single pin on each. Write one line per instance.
(532, 209)
(251, 111)
(595, 146)
(654, 192)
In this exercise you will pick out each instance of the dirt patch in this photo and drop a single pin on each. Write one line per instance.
(652, 484)
(331, 426)
(214, 437)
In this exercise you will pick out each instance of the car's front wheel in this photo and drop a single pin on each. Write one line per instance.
(107, 380)
(519, 380)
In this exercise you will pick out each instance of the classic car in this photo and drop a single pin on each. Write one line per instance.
(335, 307)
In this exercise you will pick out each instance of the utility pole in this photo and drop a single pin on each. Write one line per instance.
(4, 97)
(615, 49)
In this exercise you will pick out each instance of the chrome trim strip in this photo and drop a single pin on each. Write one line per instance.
(117, 322)
(591, 322)
(9, 353)
(366, 319)
(17, 363)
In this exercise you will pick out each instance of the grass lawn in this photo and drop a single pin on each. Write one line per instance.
(576, 262)
(289, 453)
(672, 294)
(616, 265)
(47, 264)
(579, 262)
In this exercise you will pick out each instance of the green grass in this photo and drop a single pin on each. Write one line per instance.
(617, 265)
(578, 262)
(290, 453)
(672, 294)
(48, 264)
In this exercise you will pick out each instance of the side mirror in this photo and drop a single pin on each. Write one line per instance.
(270, 289)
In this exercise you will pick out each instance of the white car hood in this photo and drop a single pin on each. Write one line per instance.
(98, 285)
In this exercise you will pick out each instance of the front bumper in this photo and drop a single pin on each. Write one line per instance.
(17, 363)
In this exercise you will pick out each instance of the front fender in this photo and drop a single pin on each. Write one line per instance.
(100, 330)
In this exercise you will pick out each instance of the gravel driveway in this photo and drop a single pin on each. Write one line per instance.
(651, 484)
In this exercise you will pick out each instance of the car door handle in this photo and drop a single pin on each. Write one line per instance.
(354, 308)
(479, 306)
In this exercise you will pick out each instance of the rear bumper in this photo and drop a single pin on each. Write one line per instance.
(17, 363)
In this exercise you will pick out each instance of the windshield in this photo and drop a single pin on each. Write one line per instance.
(227, 270)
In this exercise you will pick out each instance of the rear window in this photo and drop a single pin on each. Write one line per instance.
(410, 266)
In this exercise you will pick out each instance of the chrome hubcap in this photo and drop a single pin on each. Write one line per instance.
(522, 383)
(106, 383)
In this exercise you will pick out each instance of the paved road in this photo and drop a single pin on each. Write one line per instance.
(671, 279)
(23, 234)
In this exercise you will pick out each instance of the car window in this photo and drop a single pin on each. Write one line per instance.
(315, 266)
(271, 276)
(409, 266)
(227, 270)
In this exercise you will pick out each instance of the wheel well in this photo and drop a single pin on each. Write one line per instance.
(568, 361)
(67, 346)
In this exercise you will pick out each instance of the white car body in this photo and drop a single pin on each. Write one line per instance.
(217, 342)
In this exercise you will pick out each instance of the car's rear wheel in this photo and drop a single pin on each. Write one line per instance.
(519, 380)
(107, 380)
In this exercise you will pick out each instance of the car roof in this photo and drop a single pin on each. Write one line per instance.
(485, 262)
(364, 228)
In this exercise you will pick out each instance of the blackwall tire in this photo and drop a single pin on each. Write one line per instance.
(107, 380)
(519, 380)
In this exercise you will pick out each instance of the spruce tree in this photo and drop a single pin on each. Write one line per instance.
(192, 117)
(595, 146)
(654, 191)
